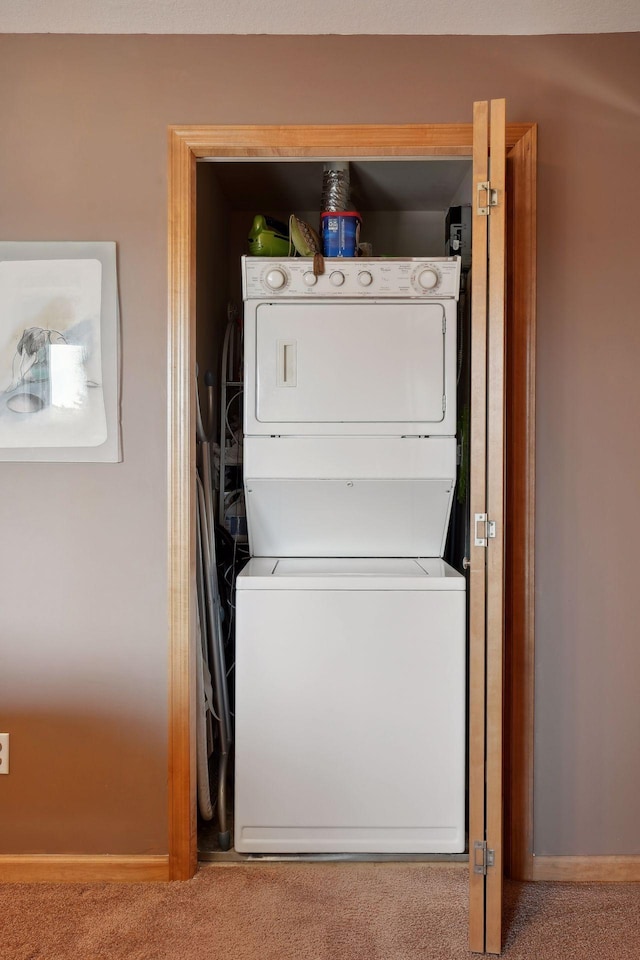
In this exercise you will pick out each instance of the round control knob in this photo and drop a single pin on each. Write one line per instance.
(309, 278)
(337, 278)
(428, 279)
(275, 279)
(365, 279)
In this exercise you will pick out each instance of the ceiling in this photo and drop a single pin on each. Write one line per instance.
(412, 17)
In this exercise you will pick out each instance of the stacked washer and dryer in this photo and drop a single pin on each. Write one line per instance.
(350, 629)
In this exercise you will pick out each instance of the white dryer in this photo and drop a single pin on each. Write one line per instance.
(327, 356)
(350, 645)
(349, 406)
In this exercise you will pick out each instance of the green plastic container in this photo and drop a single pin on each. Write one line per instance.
(268, 237)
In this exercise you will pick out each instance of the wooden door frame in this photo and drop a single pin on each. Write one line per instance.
(187, 144)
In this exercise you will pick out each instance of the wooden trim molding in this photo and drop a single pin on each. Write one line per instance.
(187, 144)
(327, 141)
(520, 506)
(616, 869)
(181, 513)
(61, 868)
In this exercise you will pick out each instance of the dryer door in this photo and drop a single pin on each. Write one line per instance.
(360, 367)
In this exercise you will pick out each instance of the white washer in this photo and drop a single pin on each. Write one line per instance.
(350, 706)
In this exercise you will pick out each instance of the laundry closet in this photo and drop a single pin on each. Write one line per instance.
(220, 177)
(344, 638)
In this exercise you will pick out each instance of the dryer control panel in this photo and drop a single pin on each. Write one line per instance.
(437, 278)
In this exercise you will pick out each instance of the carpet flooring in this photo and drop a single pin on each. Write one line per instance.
(297, 911)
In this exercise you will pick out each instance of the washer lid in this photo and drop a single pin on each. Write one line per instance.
(349, 573)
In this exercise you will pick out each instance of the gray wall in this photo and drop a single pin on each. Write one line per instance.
(83, 623)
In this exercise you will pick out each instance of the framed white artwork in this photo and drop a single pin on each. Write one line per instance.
(59, 352)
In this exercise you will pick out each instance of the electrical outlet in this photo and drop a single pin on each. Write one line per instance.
(4, 753)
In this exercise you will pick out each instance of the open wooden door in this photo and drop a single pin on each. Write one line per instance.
(486, 552)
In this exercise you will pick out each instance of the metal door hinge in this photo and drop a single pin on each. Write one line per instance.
(490, 199)
(482, 858)
(486, 533)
